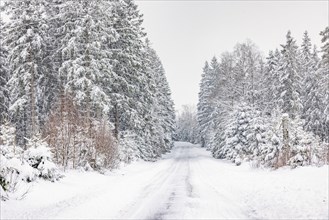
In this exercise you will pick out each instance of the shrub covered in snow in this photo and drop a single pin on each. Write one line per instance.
(38, 156)
(13, 168)
(19, 166)
(13, 171)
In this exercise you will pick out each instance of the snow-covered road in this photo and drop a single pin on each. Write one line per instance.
(186, 184)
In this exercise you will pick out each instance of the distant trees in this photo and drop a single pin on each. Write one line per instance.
(80, 76)
(187, 128)
(273, 112)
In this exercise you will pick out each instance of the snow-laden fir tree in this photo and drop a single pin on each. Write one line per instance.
(166, 110)
(207, 96)
(4, 75)
(313, 97)
(85, 63)
(302, 144)
(236, 146)
(224, 101)
(245, 136)
(309, 94)
(50, 87)
(271, 81)
(127, 59)
(305, 55)
(163, 106)
(289, 90)
(25, 37)
(268, 153)
(139, 92)
(324, 84)
(152, 144)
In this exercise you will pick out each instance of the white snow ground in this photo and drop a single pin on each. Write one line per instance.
(186, 184)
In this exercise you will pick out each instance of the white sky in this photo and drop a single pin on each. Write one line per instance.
(187, 33)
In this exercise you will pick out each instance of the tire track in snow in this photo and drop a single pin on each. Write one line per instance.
(183, 190)
(160, 196)
(150, 195)
(230, 208)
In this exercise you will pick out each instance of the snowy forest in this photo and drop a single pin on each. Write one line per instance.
(80, 87)
(89, 129)
(273, 112)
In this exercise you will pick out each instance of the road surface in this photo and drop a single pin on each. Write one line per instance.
(186, 183)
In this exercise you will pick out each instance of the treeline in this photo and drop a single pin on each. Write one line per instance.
(272, 111)
(81, 76)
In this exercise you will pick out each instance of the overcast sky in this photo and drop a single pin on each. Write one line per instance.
(187, 33)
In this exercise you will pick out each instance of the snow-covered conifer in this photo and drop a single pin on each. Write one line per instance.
(207, 96)
(290, 79)
(4, 75)
(25, 37)
(324, 83)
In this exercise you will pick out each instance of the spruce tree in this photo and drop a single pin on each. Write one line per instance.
(312, 97)
(162, 109)
(127, 59)
(26, 40)
(306, 70)
(4, 76)
(271, 81)
(324, 83)
(85, 63)
(290, 79)
(207, 100)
